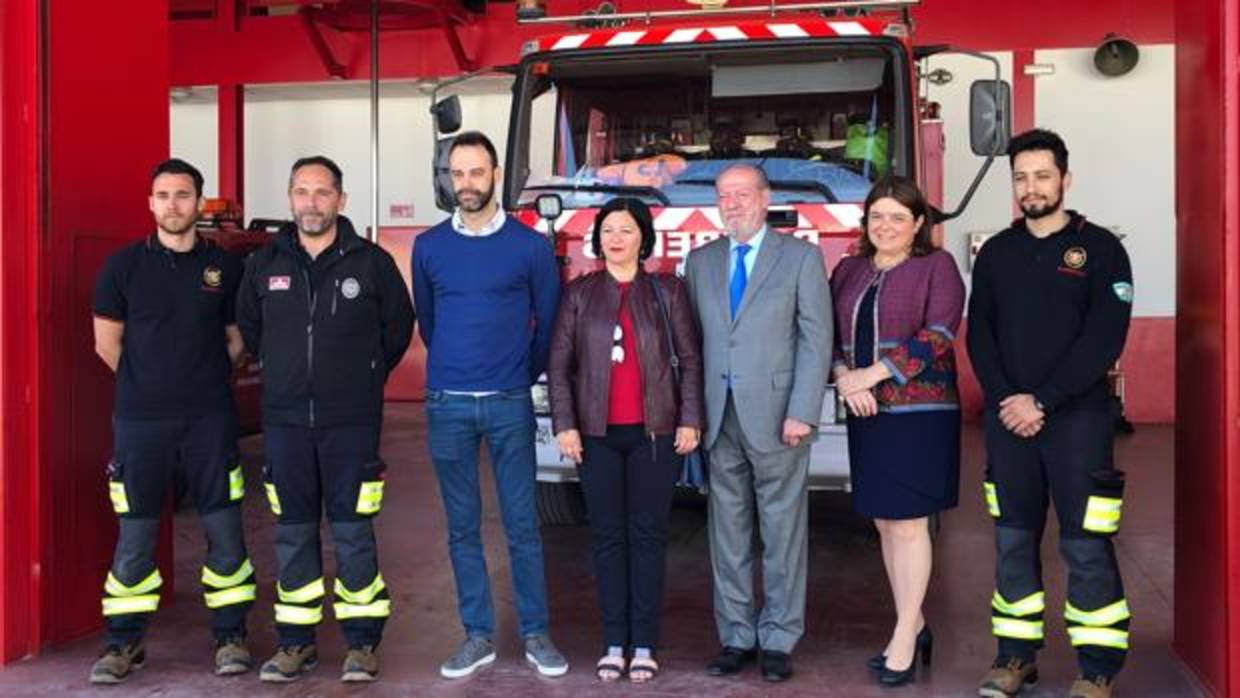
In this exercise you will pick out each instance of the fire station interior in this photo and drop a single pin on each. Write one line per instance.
(1145, 93)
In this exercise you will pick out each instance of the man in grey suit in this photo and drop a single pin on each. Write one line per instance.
(765, 308)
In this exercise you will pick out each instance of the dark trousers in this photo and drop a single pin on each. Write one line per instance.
(628, 479)
(146, 453)
(1070, 463)
(336, 468)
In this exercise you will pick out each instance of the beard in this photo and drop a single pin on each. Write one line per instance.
(176, 225)
(477, 200)
(313, 223)
(1036, 210)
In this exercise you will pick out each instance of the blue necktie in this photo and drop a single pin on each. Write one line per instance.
(739, 278)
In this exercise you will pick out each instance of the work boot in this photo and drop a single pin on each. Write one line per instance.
(360, 664)
(289, 663)
(1007, 677)
(116, 663)
(232, 657)
(1097, 687)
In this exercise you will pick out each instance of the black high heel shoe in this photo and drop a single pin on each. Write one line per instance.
(924, 648)
(925, 643)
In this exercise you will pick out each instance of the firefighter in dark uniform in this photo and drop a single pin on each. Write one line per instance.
(164, 323)
(1052, 297)
(329, 315)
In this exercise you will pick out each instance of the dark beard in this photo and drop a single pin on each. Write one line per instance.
(1036, 212)
(484, 199)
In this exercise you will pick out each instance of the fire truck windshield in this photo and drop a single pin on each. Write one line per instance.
(821, 121)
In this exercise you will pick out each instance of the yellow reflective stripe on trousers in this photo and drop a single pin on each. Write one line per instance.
(298, 615)
(120, 502)
(310, 592)
(236, 484)
(273, 499)
(114, 587)
(1102, 514)
(1031, 604)
(378, 609)
(228, 597)
(1018, 629)
(992, 498)
(1102, 637)
(370, 497)
(1108, 615)
(115, 606)
(365, 595)
(219, 581)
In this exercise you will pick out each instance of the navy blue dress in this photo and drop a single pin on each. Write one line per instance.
(904, 465)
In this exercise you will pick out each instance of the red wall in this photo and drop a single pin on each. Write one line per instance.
(1207, 448)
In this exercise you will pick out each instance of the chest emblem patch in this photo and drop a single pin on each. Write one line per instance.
(279, 283)
(349, 288)
(1074, 257)
(212, 277)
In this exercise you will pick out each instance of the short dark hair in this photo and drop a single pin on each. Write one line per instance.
(1040, 139)
(177, 166)
(477, 139)
(321, 161)
(905, 192)
(640, 213)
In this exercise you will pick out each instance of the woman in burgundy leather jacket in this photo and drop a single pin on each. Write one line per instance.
(618, 412)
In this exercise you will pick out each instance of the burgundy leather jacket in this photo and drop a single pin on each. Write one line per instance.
(579, 372)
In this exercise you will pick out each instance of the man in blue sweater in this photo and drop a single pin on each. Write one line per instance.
(486, 289)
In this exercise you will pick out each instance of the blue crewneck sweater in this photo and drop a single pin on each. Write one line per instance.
(485, 306)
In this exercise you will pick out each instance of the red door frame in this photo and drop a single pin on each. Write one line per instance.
(21, 117)
(1207, 449)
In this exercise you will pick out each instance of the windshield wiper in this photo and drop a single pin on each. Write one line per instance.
(635, 190)
(783, 185)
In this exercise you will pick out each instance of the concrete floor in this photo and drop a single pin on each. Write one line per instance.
(849, 615)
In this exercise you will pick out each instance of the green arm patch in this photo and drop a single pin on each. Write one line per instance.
(1123, 291)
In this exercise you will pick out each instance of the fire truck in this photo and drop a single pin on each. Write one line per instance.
(825, 97)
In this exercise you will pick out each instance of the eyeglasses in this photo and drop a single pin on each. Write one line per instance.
(617, 345)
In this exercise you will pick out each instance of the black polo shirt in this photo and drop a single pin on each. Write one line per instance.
(1049, 316)
(175, 306)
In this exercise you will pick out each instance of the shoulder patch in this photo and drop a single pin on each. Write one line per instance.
(1123, 291)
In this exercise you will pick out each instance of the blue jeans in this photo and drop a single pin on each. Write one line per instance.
(457, 425)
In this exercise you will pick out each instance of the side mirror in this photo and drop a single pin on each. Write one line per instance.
(990, 120)
(445, 197)
(447, 114)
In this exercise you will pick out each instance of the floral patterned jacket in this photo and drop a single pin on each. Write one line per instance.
(916, 314)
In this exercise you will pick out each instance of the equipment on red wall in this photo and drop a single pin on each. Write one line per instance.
(1116, 56)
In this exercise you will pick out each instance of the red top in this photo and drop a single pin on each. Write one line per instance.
(624, 403)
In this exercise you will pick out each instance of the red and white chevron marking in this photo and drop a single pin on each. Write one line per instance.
(820, 218)
(747, 31)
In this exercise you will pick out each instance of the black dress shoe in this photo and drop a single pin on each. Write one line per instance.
(776, 666)
(730, 660)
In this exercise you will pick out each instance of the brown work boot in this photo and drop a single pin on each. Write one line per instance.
(289, 663)
(232, 657)
(116, 663)
(1007, 677)
(360, 664)
(1097, 687)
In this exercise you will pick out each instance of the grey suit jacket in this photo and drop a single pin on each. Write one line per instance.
(777, 350)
